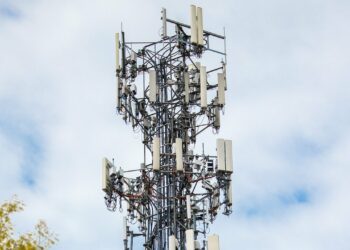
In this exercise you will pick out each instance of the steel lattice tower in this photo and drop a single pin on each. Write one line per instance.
(163, 91)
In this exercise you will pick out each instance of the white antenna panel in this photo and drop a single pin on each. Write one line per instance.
(188, 206)
(224, 152)
(187, 88)
(194, 28)
(213, 242)
(200, 26)
(156, 153)
(179, 160)
(221, 89)
(152, 86)
(228, 155)
(172, 242)
(203, 78)
(164, 27)
(190, 239)
(105, 172)
(220, 148)
(117, 50)
(217, 118)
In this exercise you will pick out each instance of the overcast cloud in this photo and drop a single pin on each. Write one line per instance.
(287, 113)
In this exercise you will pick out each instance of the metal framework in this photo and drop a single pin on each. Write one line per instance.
(163, 92)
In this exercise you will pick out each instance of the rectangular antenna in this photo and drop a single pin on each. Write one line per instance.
(172, 242)
(179, 159)
(221, 89)
(203, 86)
(187, 88)
(213, 242)
(217, 117)
(152, 86)
(224, 153)
(228, 156)
(194, 28)
(188, 206)
(105, 173)
(164, 27)
(220, 148)
(200, 26)
(190, 239)
(156, 153)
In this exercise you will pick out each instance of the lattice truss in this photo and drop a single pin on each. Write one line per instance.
(163, 91)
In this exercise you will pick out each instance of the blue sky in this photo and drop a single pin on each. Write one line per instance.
(287, 114)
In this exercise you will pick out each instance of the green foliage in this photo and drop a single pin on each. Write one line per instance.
(40, 239)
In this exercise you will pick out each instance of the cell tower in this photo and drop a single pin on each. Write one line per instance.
(166, 92)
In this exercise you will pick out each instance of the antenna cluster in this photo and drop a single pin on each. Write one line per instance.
(164, 92)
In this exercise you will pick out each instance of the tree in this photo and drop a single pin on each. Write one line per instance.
(40, 239)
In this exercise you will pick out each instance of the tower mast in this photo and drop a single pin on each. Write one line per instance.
(163, 91)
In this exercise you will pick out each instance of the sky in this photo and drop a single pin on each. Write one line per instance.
(287, 113)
